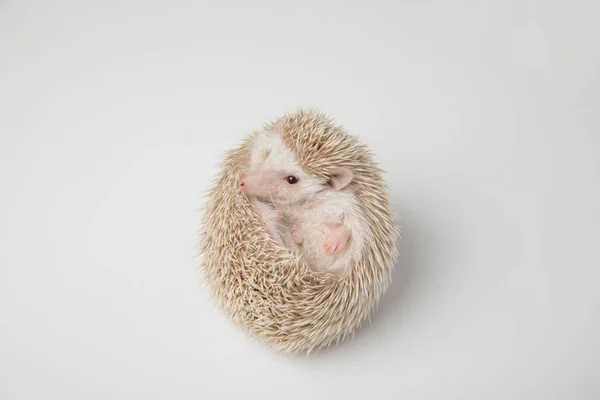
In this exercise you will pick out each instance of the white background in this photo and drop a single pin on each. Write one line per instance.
(113, 116)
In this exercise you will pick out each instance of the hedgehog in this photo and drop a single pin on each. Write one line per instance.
(268, 289)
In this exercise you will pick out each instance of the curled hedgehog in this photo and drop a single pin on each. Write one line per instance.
(253, 262)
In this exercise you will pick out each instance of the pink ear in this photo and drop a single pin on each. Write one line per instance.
(279, 125)
(340, 177)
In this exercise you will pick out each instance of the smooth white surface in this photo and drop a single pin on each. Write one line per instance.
(113, 116)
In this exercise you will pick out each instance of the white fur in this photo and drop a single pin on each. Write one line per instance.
(307, 206)
(270, 163)
(330, 207)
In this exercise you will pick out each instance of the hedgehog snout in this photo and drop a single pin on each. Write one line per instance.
(242, 180)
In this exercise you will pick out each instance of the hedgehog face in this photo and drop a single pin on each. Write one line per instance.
(274, 175)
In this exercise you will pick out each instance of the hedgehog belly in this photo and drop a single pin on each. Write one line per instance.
(315, 235)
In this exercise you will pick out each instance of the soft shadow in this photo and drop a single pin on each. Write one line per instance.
(405, 270)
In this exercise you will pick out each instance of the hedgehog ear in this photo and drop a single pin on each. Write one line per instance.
(340, 178)
(278, 127)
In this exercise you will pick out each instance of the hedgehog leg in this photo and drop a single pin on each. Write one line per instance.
(298, 237)
(337, 240)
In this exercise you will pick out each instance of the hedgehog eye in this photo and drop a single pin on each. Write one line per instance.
(292, 179)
